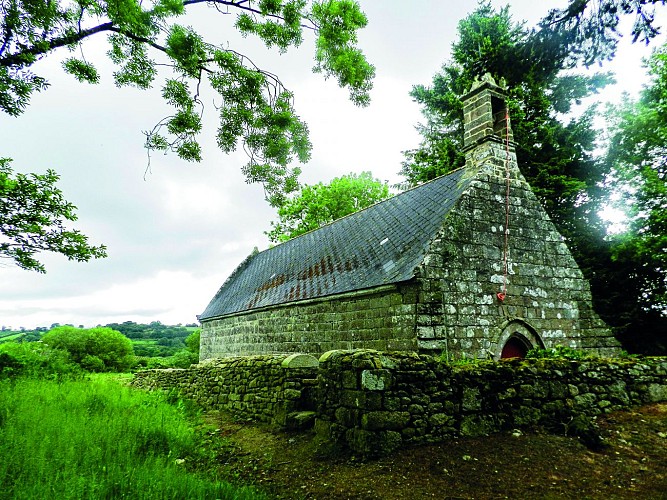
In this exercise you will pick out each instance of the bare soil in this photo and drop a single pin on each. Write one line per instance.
(529, 465)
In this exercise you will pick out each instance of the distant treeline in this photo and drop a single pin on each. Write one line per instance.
(153, 330)
(151, 340)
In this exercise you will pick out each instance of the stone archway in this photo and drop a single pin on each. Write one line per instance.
(516, 339)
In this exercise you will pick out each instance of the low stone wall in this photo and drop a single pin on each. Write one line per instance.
(277, 389)
(373, 403)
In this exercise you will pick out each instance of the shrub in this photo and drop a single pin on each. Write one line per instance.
(559, 352)
(192, 342)
(35, 359)
(94, 349)
(181, 359)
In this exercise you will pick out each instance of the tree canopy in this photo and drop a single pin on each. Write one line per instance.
(96, 349)
(33, 212)
(554, 150)
(255, 107)
(588, 30)
(637, 157)
(319, 204)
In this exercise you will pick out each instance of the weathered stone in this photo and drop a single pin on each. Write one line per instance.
(384, 420)
(425, 401)
(300, 361)
(350, 380)
(301, 420)
(471, 399)
(376, 380)
(657, 393)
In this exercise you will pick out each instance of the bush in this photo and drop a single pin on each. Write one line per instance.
(35, 359)
(95, 349)
(192, 342)
(559, 352)
(181, 359)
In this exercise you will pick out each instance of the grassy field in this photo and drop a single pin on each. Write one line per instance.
(97, 439)
(9, 336)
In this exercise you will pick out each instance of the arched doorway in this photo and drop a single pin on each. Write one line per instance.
(516, 339)
(515, 347)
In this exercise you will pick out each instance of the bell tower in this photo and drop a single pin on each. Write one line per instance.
(488, 141)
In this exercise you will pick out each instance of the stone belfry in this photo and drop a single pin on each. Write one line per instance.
(488, 141)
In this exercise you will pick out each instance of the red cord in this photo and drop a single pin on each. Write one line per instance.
(501, 295)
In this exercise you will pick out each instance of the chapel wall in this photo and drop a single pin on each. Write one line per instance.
(382, 320)
(459, 312)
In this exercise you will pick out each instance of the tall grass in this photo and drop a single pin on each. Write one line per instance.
(96, 439)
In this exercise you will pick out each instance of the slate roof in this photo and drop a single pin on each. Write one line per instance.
(379, 245)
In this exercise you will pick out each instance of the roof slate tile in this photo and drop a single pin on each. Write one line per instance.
(379, 245)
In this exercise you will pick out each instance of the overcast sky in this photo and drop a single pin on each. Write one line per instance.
(175, 233)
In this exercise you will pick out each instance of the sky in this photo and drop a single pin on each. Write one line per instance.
(176, 230)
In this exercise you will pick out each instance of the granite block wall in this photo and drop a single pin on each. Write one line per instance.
(382, 319)
(547, 298)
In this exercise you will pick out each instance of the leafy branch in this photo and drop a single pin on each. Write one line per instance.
(255, 108)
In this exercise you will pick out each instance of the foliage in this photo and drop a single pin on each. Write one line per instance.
(152, 330)
(181, 358)
(554, 152)
(559, 352)
(32, 215)
(254, 105)
(95, 349)
(463, 360)
(636, 157)
(192, 342)
(587, 30)
(35, 360)
(135, 444)
(156, 340)
(320, 204)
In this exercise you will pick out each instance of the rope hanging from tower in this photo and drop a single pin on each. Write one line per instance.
(501, 295)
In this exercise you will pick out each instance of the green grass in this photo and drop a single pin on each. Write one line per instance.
(144, 341)
(9, 337)
(97, 439)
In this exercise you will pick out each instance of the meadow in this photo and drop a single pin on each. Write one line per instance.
(91, 437)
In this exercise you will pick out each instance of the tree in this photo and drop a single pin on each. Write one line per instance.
(587, 30)
(255, 107)
(192, 342)
(32, 215)
(637, 157)
(95, 349)
(320, 204)
(555, 152)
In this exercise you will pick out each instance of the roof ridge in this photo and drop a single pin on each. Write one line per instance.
(368, 207)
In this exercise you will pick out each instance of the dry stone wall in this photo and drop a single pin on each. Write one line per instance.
(276, 389)
(373, 403)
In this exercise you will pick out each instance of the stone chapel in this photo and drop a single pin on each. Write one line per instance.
(466, 265)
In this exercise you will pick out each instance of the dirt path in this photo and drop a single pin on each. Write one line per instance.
(525, 466)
